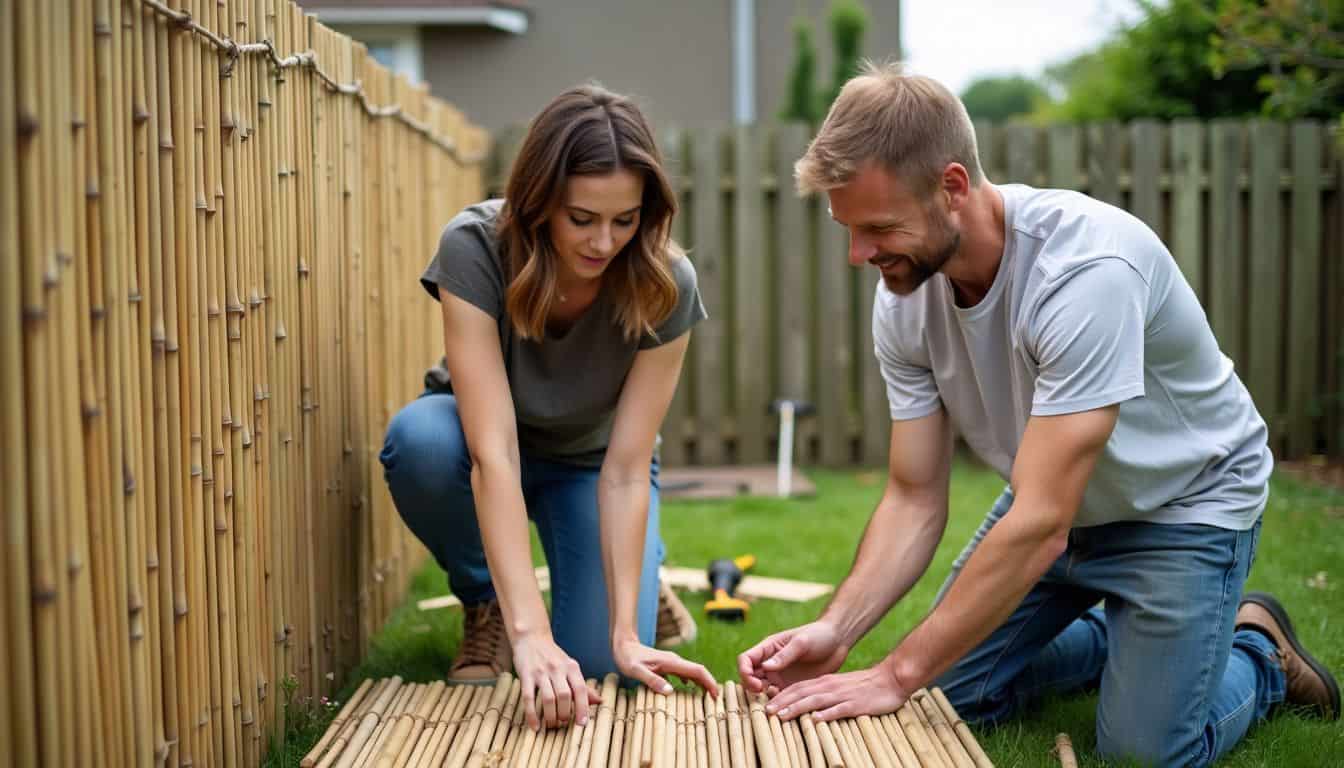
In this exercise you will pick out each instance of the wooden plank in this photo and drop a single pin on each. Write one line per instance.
(1227, 286)
(672, 452)
(1187, 202)
(750, 378)
(1022, 148)
(707, 343)
(1105, 151)
(833, 353)
(1065, 145)
(875, 424)
(692, 579)
(1264, 361)
(792, 259)
(1305, 283)
(1145, 195)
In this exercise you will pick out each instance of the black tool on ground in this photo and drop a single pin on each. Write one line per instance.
(724, 576)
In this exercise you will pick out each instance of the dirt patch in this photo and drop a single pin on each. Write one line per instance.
(1319, 472)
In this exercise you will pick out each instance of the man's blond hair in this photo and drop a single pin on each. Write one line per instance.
(911, 125)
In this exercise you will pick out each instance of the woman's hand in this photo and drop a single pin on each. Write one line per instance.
(554, 692)
(651, 666)
(791, 656)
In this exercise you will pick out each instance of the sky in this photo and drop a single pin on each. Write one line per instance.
(957, 41)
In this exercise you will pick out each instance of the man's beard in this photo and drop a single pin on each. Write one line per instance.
(923, 265)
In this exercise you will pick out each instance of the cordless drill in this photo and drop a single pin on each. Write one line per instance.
(724, 576)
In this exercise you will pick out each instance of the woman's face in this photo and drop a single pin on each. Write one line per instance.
(597, 217)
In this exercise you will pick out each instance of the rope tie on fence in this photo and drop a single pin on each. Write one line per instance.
(308, 60)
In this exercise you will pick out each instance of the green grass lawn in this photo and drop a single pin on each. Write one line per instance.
(815, 539)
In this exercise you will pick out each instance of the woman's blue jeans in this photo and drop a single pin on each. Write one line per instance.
(428, 471)
(1178, 685)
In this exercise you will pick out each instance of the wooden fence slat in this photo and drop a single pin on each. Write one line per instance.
(1187, 202)
(708, 341)
(749, 300)
(1334, 385)
(1023, 148)
(1145, 194)
(988, 141)
(1305, 283)
(833, 358)
(792, 261)
(1064, 150)
(673, 449)
(1227, 286)
(875, 424)
(1264, 355)
(1105, 153)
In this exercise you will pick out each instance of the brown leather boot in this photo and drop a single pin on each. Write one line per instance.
(485, 653)
(1310, 684)
(675, 626)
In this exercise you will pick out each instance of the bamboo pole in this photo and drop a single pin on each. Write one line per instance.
(618, 751)
(18, 727)
(606, 720)
(425, 739)
(466, 706)
(748, 730)
(679, 755)
(466, 737)
(783, 747)
(850, 732)
(830, 752)
(736, 743)
(402, 742)
(795, 733)
(816, 756)
(905, 753)
(590, 729)
(878, 749)
(721, 726)
(934, 737)
(952, 746)
(337, 723)
(765, 742)
(715, 750)
(657, 746)
(368, 723)
(702, 726)
(919, 737)
(962, 730)
(508, 718)
(490, 720)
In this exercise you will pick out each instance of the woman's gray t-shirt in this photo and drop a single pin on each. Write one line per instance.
(564, 388)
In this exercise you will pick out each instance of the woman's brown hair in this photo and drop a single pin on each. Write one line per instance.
(587, 131)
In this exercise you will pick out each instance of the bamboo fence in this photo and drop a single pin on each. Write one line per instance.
(211, 215)
(393, 724)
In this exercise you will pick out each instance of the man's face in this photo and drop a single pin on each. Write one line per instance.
(906, 238)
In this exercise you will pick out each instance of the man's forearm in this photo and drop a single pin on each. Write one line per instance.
(1007, 564)
(896, 549)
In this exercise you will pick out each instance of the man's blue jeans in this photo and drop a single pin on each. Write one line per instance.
(1178, 686)
(428, 471)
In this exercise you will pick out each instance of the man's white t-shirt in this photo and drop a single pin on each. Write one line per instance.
(1088, 309)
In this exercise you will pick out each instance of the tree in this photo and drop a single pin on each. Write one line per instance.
(1159, 67)
(1296, 45)
(802, 101)
(999, 98)
(848, 20)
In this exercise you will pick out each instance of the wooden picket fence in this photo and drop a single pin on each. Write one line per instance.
(208, 255)
(1252, 211)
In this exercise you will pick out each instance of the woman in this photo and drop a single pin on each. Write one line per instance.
(566, 316)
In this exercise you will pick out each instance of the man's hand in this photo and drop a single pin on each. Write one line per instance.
(791, 656)
(872, 691)
(651, 666)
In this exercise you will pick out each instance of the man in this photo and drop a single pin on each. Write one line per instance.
(1058, 337)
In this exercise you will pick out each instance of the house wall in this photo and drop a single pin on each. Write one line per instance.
(674, 57)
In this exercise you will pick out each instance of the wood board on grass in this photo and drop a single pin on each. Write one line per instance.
(692, 579)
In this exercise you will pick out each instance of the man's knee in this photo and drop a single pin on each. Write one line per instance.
(1146, 747)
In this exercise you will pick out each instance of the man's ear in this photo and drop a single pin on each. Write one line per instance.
(956, 185)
